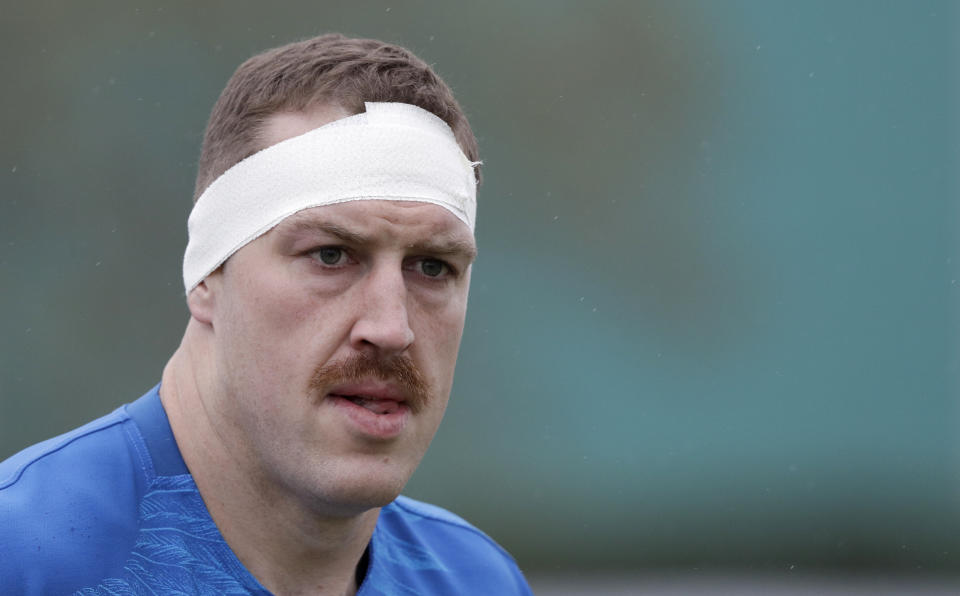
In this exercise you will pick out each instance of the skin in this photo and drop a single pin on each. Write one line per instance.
(292, 481)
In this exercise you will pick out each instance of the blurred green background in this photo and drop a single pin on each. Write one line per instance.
(714, 321)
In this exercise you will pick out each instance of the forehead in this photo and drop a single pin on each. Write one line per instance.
(384, 222)
(281, 126)
(379, 219)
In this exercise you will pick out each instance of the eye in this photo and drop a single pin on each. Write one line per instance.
(433, 268)
(329, 255)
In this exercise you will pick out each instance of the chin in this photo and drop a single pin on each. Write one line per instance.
(351, 504)
(353, 491)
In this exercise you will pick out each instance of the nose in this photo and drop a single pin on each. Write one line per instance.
(382, 323)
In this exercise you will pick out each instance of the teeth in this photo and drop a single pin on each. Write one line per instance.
(376, 406)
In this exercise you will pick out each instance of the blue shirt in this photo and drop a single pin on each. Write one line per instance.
(110, 508)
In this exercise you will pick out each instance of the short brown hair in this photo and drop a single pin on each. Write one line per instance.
(326, 69)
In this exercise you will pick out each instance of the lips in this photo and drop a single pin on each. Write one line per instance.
(365, 378)
(372, 410)
(374, 404)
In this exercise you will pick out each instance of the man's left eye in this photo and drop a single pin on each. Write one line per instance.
(433, 267)
(329, 255)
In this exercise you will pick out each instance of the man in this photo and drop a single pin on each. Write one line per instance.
(326, 274)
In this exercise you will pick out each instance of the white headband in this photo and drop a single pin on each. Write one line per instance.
(393, 151)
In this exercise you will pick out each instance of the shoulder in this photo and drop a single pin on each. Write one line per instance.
(431, 550)
(69, 502)
(56, 452)
(442, 523)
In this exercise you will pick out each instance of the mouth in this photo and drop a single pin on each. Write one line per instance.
(374, 410)
(377, 405)
(370, 384)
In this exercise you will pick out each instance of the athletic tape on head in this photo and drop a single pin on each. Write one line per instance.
(393, 151)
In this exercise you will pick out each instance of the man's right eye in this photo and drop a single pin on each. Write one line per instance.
(330, 255)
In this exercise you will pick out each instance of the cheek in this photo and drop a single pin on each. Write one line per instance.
(265, 334)
(272, 311)
(438, 332)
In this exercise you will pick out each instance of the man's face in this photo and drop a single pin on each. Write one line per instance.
(335, 340)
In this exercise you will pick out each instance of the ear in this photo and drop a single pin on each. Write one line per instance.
(200, 301)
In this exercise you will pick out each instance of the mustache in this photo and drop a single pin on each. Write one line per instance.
(399, 370)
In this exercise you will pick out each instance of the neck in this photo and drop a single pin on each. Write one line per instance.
(288, 543)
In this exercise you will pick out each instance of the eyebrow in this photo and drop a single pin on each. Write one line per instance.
(306, 226)
(444, 245)
(440, 245)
